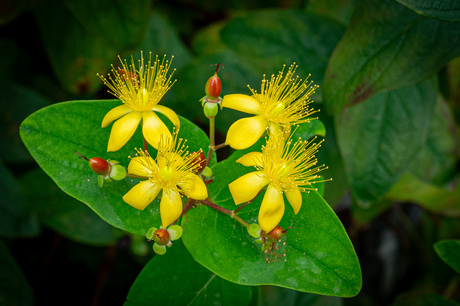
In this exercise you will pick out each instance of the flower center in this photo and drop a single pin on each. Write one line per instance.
(283, 170)
(277, 109)
(142, 98)
(167, 173)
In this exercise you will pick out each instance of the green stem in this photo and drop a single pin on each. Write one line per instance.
(212, 133)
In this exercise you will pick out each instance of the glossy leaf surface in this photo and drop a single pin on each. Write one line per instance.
(54, 133)
(319, 256)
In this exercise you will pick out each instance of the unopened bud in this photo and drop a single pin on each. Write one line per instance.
(213, 87)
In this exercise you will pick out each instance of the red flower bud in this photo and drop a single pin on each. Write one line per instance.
(213, 87)
(161, 236)
(99, 166)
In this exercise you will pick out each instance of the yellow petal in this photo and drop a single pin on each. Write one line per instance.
(242, 103)
(169, 113)
(247, 187)
(122, 130)
(153, 128)
(170, 207)
(245, 132)
(114, 114)
(142, 194)
(295, 198)
(194, 187)
(272, 209)
(251, 159)
(142, 166)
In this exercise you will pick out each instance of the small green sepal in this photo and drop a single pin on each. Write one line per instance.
(159, 249)
(207, 172)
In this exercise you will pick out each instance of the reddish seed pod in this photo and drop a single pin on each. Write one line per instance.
(275, 234)
(161, 236)
(99, 166)
(213, 87)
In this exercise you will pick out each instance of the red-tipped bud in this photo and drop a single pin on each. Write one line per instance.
(161, 236)
(99, 166)
(213, 87)
(275, 234)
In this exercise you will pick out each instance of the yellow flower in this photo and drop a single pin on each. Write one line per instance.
(285, 168)
(282, 102)
(140, 90)
(173, 171)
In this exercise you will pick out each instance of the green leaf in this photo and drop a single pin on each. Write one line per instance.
(54, 133)
(273, 38)
(379, 138)
(387, 46)
(14, 288)
(449, 251)
(176, 279)
(121, 24)
(65, 214)
(433, 198)
(319, 257)
(15, 218)
(447, 10)
(437, 160)
(74, 53)
(309, 129)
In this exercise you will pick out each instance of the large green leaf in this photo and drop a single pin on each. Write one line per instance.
(319, 256)
(14, 288)
(54, 133)
(65, 214)
(177, 279)
(74, 53)
(273, 38)
(449, 251)
(380, 137)
(448, 10)
(121, 24)
(387, 46)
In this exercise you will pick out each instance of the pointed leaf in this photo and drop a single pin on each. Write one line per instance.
(54, 133)
(319, 255)
(380, 137)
